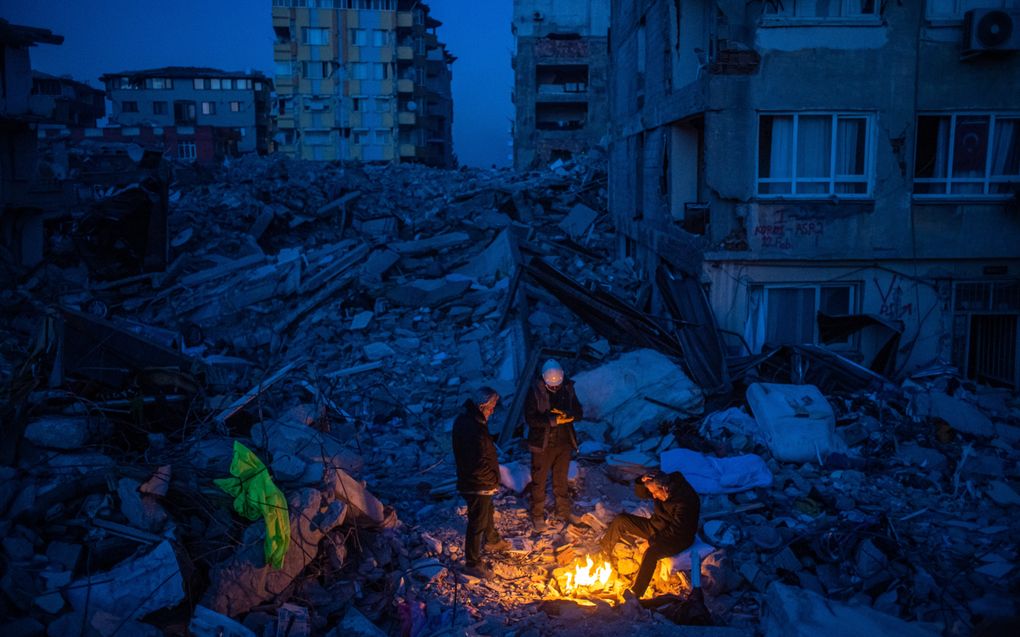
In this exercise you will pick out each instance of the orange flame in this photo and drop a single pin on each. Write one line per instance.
(584, 579)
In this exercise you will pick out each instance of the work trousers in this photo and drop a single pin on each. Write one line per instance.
(481, 527)
(629, 524)
(557, 459)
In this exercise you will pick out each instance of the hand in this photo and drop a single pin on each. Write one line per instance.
(561, 416)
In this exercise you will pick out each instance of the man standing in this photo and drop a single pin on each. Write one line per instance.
(671, 528)
(551, 408)
(477, 478)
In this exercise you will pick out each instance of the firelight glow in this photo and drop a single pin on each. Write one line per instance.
(584, 577)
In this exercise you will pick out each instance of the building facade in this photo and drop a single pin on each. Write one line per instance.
(69, 103)
(362, 80)
(839, 157)
(560, 67)
(238, 104)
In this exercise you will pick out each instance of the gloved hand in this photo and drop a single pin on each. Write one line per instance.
(561, 417)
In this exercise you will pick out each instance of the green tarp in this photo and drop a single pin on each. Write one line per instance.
(255, 495)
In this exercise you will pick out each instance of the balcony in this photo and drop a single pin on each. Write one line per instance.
(406, 118)
(405, 86)
(405, 53)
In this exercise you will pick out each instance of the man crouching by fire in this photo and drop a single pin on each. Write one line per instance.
(671, 528)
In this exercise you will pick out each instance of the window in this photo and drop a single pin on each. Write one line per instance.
(208, 108)
(235, 107)
(954, 9)
(199, 83)
(382, 105)
(814, 155)
(258, 86)
(791, 312)
(187, 151)
(315, 70)
(357, 104)
(359, 37)
(316, 36)
(379, 37)
(215, 83)
(368, 71)
(159, 83)
(316, 138)
(382, 137)
(159, 108)
(822, 9)
(967, 154)
(359, 137)
(129, 107)
(284, 68)
(227, 84)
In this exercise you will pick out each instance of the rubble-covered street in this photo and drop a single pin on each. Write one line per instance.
(312, 337)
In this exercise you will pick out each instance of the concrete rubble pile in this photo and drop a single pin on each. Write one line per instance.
(332, 318)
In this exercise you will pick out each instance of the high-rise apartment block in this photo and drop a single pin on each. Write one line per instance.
(362, 80)
(561, 66)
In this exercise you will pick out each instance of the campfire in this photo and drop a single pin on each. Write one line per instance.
(584, 580)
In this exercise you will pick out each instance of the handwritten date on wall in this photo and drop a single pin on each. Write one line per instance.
(778, 232)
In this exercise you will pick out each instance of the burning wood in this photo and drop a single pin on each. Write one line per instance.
(583, 579)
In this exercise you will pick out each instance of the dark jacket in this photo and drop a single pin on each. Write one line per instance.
(542, 427)
(675, 520)
(474, 451)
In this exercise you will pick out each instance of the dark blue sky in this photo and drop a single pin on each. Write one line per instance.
(112, 35)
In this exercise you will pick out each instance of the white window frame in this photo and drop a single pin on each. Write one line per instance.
(235, 106)
(359, 37)
(187, 150)
(869, 159)
(321, 36)
(852, 343)
(770, 17)
(208, 108)
(987, 180)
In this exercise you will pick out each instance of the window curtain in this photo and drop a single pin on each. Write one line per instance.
(1006, 152)
(754, 326)
(814, 153)
(850, 149)
(781, 153)
(970, 150)
(790, 315)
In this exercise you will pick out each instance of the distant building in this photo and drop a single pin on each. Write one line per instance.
(22, 194)
(561, 78)
(833, 158)
(236, 104)
(362, 80)
(68, 102)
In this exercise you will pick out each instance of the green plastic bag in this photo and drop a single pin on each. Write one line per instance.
(255, 495)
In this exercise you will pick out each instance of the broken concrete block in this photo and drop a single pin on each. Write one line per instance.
(427, 568)
(134, 588)
(578, 220)
(615, 392)
(427, 292)
(51, 603)
(378, 351)
(514, 476)
(299, 452)
(142, 511)
(354, 624)
(361, 320)
(961, 415)
(209, 623)
(159, 483)
(431, 244)
(914, 454)
(796, 421)
(244, 580)
(63, 554)
(292, 621)
(362, 503)
(795, 612)
(59, 432)
(1003, 494)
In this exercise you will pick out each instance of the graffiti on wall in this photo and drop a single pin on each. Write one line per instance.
(774, 230)
(891, 295)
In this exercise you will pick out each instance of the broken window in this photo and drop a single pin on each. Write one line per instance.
(315, 70)
(159, 108)
(359, 37)
(379, 37)
(965, 154)
(791, 312)
(359, 136)
(315, 36)
(382, 137)
(814, 155)
(208, 108)
(816, 9)
(561, 78)
(159, 83)
(561, 115)
(129, 107)
(986, 331)
(184, 112)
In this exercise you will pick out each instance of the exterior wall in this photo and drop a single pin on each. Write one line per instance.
(200, 144)
(579, 30)
(348, 114)
(686, 143)
(251, 120)
(65, 101)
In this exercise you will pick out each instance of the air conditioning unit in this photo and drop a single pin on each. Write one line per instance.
(991, 30)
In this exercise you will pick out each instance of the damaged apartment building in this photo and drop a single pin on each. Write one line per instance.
(195, 114)
(832, 159)
(363, 80)
(561, 68)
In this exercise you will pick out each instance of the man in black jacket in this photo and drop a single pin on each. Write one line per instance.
(671, 528)
(477, 478)
(551, 408)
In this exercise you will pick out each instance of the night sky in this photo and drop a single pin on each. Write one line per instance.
(113, 35)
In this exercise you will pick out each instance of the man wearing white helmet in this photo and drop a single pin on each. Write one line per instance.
(551, 408)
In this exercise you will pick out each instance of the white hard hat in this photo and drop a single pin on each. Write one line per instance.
(552, 373)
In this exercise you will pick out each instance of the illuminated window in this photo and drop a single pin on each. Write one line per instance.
(967, 154)
(208, 108)
(235, 107)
